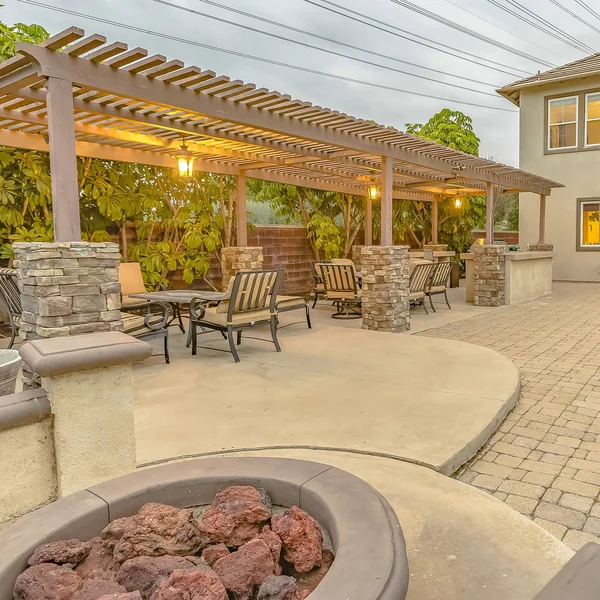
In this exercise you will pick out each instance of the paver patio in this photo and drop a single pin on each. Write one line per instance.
(544, 460)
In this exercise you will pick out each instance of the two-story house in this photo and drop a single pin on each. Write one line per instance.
(560, 139)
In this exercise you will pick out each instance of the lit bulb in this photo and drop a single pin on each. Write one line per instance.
(457, 202)
(372, 192)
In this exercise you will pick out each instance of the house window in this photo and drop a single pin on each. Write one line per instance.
(590, 224)
(592, 119)
(562, 122)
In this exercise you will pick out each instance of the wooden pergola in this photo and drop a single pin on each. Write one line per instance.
(76, 95)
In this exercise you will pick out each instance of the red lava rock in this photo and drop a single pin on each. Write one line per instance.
(274, 543)
(249, 566)
(122, 596)
(277, 588)
(235, 516)
(47, 581)
(65, 551)
(213, 553)
(307, 582)
(100, 562)
(156, 530)
(92, 589)
(301, 536)
(201, 583)
(145, 573)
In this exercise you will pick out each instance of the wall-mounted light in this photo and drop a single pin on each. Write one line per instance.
(457, 202)
(185, 161)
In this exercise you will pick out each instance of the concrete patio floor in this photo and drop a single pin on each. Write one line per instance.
(431, 402)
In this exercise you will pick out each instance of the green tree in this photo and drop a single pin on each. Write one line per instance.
(455, 223)
(19, 32)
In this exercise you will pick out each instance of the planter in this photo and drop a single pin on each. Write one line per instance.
(10, 363)
(370, 554)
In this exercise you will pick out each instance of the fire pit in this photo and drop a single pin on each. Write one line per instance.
(370, 557)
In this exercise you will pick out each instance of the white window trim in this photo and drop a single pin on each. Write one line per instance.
(587, 120)
(581, 244)
(558, 148)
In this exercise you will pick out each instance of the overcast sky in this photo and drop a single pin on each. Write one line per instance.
(498, 129)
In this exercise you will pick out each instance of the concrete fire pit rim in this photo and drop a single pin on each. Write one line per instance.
(370, 562)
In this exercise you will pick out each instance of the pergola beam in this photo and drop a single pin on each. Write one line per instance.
(142, 88)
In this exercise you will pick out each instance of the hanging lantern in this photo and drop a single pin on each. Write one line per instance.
(457, 202)
(185, 161)
(372, 192)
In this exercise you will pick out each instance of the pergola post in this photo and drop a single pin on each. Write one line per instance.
(63, 160)
(240, 206)
(434, 221)
(386, 200)
(489, 214)
(368, 221)
(542, 236)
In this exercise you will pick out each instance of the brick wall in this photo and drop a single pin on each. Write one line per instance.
(510, 237)
(286, 246)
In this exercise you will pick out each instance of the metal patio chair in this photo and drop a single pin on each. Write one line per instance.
(149, 326)
(319, 289)
(439, 282)
(419, 280)
(10, 298)
(287, 303)
(252, 301)
(341, 287)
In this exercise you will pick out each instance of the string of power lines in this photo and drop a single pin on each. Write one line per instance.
(515, 9)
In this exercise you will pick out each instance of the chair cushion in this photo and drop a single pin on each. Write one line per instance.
(287, 301)
(211, 315)
(133, 324)
(416, 295)
(320, 287)
(129, 302)
(437, 288)
(345, 295)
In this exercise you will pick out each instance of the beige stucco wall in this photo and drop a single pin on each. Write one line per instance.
(27, 473)
(528, 279)
(578, 171)
(93, 426)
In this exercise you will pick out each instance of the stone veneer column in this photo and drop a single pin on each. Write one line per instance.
(385, 305)
(489, 275)
(68, 288)
(235, 259)
(356, 256)
(541, 247)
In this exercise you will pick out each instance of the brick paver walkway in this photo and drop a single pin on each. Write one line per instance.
(544, 460)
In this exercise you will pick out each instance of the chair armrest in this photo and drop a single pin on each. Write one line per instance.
(150, 315)
(197, 308)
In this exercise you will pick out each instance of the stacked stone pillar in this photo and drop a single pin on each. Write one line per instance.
(385, 288)
(357, 256)
(235, 259)
(489, 275)
(68, 288)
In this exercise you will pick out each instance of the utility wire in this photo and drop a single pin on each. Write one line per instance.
(332, 52)
(558, 30)
(385, 27)
(251, 57)
(505, 29)
(469, 32)
(534, 24)
(575, 15)
(586, 7)
(328, 39)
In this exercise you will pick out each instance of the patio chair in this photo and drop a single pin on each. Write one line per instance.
(252, 301)
(342, 289)
(132, 282)
(499, 243)
(10, 298)
(419, 280)
(319, 289)
(287, 303)
(149, 326)
(439, 282)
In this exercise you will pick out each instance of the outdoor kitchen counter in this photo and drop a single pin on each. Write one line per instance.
(528, 275)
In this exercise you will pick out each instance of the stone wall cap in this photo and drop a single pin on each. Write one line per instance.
(23, 408)
(532, 255)
(61, 355)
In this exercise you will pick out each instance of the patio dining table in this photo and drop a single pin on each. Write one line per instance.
(178, 298)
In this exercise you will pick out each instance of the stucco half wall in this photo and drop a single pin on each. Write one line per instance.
(578, 171)
(528, 275)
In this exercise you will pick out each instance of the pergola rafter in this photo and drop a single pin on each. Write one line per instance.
(125, 105)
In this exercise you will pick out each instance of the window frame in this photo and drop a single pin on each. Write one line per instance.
(587, 120)
(576, 122)
(580, 247)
